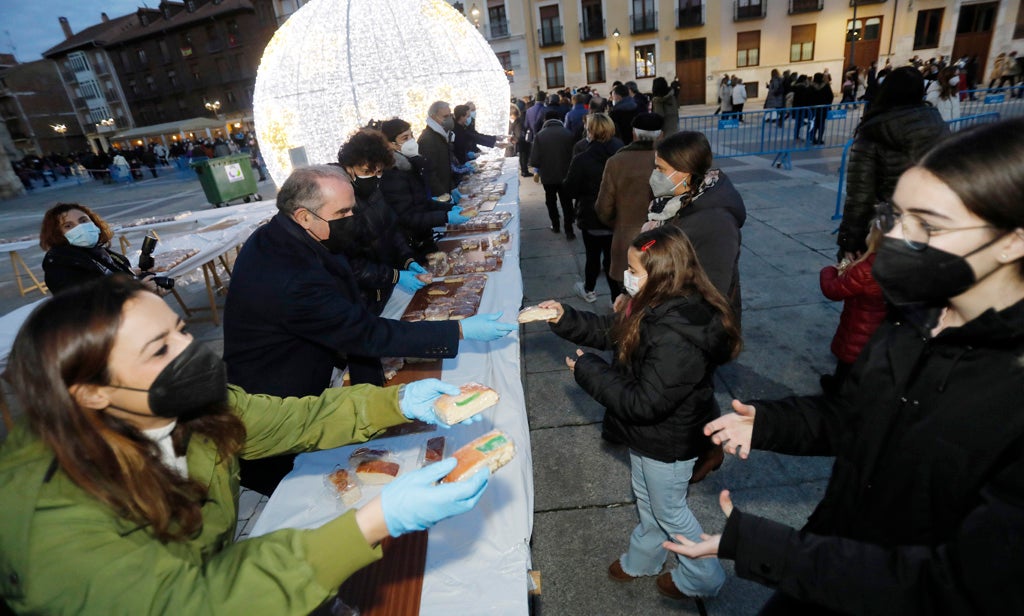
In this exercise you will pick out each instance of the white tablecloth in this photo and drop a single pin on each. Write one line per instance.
(477, 562)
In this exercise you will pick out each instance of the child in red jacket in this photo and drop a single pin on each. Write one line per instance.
(863, 309)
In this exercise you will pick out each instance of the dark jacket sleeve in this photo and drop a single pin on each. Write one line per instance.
(976, 571)
(414, 211)
(316, 312)
(60, 275)
(584, 328)
(861, 195)
(372, 274)
(670, 370)
(439, 158)
(718, 245)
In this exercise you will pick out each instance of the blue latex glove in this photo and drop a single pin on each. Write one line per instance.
(417, 400)
(417, 268)
(414, 501)
(456, 196)
(455, 216)
(472, 155)
(407, 280)
(485, 327)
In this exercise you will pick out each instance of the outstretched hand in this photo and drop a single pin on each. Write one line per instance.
(572, 362)
(707, 547)
(734, 431)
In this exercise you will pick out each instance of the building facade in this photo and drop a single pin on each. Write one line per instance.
(554, 44)
(32, 103)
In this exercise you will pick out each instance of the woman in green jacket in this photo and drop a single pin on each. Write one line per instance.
(120, 495)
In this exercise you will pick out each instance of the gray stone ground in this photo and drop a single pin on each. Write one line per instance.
(584, 508)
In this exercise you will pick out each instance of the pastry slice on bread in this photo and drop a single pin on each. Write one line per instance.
(474, 398)
(493, 450)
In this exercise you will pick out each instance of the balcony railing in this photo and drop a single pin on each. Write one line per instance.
(80, 101)
(644, 22)
(805, 6)
(690, 16)
(863, 2)
(499, 29)
(751, 11)
(112, 97)
(550, 35)
(590, 30)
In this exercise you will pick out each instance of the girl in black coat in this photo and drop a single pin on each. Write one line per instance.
(658, 393)
(77, 245)
(924, 512)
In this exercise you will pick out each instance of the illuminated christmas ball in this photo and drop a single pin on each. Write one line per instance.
(335, 65)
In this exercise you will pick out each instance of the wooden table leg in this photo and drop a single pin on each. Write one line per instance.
(19, 264)
(208, 270)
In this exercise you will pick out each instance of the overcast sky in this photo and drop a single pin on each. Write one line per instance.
(31, 27)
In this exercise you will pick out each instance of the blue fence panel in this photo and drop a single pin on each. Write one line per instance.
(1007, 102)
(954, 125)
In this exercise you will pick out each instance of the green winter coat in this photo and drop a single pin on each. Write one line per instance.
(63, 552)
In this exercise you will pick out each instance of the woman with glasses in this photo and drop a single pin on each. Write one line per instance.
(924, 512)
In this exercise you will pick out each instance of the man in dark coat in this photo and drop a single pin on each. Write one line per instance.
(535, 117)
(294, 312)
(551, 154)
(623, 111)
(435, 144)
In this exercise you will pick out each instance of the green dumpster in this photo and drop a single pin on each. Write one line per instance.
(227, 178)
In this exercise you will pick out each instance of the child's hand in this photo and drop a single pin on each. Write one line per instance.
(620, 302)
(572, 362)
(553, 304)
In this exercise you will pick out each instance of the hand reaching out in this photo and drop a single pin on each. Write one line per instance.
(572, 362)
(734, 431)
(553, 304)
(708, 545)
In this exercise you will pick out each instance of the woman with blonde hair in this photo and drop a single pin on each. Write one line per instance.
(582, 183)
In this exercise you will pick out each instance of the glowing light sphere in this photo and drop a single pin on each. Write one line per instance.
(337, 64)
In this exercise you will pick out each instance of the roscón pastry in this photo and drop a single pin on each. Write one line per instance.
(536, 313)
(494, 450)
(474, 399)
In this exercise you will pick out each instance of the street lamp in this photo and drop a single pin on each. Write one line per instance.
(107, 122)
(616, 36)
(475, 12)
(61, 129)
(213, 106)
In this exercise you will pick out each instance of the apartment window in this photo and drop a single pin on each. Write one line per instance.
(133, 87)
(190, 6)
(230, 96)
(141, 55)
(926, 34)
(196, 77)
(645, 16)
(186, 45)
(505, 58)
(592, 25)
(643, 57)
(126, 62)
(748, 9)
(690, 13)
(182, 105)
(595, 67)
(151, 83)
(801, 45)
(172, 78)
(497, 18)
(554, 68)
(164, 54)
(1018, 30)
(748, 48)
(99, 63)
(550, 31)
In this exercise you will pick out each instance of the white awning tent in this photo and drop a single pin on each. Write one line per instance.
(179, 127)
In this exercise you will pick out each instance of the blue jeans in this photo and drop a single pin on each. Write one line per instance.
(660, 490)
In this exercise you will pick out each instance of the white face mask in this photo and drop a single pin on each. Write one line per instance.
(411, 148)
(954, 81)
(631, 282)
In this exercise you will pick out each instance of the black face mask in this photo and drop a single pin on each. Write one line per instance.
(343, 232)
(365, 187)
(194, 381)
(922, 277)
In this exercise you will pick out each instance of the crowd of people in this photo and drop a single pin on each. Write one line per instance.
(126, 472)
(132, 162)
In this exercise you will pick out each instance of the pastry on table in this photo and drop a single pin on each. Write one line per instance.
(493, 450)
(472, 399)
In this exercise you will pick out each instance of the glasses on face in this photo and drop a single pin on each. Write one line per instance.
(916, 232)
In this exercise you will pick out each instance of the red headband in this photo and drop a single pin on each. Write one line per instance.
(647, 245)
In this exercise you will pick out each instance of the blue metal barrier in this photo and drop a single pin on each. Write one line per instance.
(954, 125)
(777, 131)
(1007, 102)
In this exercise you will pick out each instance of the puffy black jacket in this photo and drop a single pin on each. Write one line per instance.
(406, 193)
(660, 400)
(924, 512)
(886, 145)
(552, 152)
(65, 266)
(583, 181)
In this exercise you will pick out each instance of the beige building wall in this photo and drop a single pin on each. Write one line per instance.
(897, 22)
